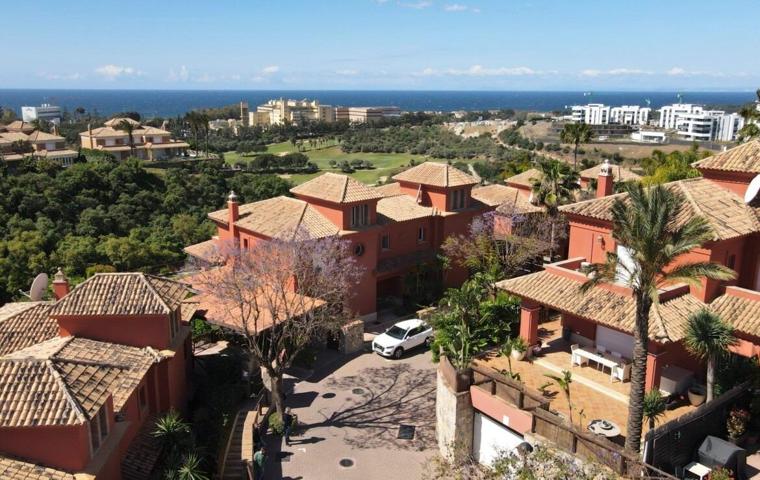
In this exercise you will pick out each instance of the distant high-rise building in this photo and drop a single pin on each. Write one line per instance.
(366, 114)
(244, 112)
(50, 113)
(600, 114)
(693, 122)
(276, 112)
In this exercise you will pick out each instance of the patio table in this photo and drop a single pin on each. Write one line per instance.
(609, 362)
(604, 427)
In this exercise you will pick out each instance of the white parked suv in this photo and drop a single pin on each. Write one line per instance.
(401, 337)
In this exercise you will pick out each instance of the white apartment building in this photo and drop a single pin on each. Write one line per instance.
(592, 114)
(366, 114)
(709, 125)
(630, 115)
(48, 112)
(279, 111)
(669, 114)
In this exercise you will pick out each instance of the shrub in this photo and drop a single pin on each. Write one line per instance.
(720, 473)
(737, 423)
(276, 424)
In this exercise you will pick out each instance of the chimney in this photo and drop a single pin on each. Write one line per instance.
(60, 285)
(605, 181)
(233, 212)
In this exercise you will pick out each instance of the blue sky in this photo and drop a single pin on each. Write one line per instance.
(382, 44)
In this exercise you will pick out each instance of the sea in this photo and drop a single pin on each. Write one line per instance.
(166, 103)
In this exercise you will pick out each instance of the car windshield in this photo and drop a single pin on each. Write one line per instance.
(396, 332)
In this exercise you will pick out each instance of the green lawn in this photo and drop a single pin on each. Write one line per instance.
(384, 163)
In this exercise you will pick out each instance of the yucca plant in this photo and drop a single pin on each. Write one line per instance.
(654, 407)
(563, 383)
(708, 338)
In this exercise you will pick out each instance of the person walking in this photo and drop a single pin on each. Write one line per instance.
(290, 421)
(259, 462)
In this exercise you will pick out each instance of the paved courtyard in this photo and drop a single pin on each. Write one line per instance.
(353, 411)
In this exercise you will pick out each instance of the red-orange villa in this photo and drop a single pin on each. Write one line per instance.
(83, 378)
(392, 228)
(602, 319)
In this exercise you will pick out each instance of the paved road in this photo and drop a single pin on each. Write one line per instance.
(353, 411)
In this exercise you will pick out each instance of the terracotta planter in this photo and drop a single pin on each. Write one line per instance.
(696, 396)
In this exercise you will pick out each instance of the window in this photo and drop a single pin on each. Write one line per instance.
(94, 435)
(360, 215)
(421, 234)
(731, 261)
(103, 423)
(457, 199)
(245, 243)
(385, 242)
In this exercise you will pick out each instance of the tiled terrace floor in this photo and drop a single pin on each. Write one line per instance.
(592, 393)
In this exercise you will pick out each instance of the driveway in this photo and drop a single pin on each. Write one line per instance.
(352, 411)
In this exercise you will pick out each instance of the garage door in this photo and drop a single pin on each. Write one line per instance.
(615, 341)
(491, 439)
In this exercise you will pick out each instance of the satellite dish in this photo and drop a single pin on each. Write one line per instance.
(752, 190)
(39, 287)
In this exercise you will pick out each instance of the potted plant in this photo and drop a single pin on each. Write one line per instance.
(518, 348)
(720, 473)
(697, 394)
(736, 425)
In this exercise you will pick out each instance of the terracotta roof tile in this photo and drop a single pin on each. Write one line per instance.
(400, 208)
(437, 175)
(38, 136)
(508, 199)
(619, 173)
(66, 380)
(23, 324)
(725, 211)
(742, 313)
(389, 189)
(281, 217)
(15, 469)
(122, 294)
(207, 251)
(115, 122)
(667, 320)
(525, 178)
(336, 188)
(744, 158)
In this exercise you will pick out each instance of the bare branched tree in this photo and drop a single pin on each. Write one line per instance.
(280, 295)
(504, 243)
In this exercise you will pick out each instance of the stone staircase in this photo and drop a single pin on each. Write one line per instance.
(240, 445)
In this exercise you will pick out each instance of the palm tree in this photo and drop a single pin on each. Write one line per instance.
(646, 224)
(563, 383)
(708, 338)
(203, 125)
(193, 119)
(553, 188)
(749, 112)
(748, 132)
(576, 133)
(128, 127)
(654, 407)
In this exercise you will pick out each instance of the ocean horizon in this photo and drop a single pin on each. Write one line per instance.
(152, 103)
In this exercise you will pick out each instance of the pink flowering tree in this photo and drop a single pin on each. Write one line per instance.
(280, 295)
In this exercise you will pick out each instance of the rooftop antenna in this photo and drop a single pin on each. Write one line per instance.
(38, 288)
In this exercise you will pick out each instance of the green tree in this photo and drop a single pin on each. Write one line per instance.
(129, 127)
(708, 338)
(647, 224)
(576, 134)
(555, 186)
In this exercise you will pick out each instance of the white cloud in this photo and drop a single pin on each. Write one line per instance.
(615, 72)
(270, 69)
(112, 72)
(182, 75)
(481, 71)
(347, 73)
(455, 7)
(416, 5)
(676, 71)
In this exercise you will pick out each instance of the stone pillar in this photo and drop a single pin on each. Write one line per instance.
(529, 313)
(352, 337)
(454, 417)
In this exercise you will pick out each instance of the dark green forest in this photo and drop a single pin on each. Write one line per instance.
(109, 216)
